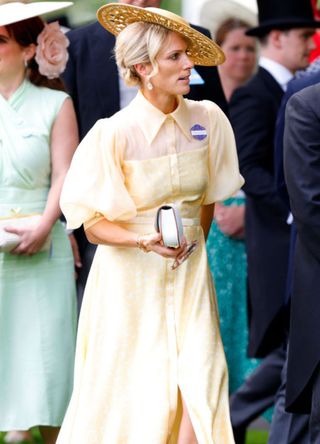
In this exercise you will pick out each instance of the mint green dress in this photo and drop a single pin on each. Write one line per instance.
(37, 294)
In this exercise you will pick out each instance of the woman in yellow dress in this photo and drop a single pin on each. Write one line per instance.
(150, 366)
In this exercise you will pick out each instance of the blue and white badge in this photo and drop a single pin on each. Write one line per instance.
(198, 132)
(195, 78)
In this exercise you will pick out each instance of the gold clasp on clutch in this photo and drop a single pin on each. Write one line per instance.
(15, 212)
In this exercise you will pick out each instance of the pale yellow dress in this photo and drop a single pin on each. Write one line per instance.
(146, 331)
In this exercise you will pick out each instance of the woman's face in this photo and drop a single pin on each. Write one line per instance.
(173, 77)
(241, 55)
(12, 56)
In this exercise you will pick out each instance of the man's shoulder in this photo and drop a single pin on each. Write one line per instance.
(261, 84)
(263, 77)
(84, 29)
(304, 81)
(309, 95)
(87, 32)
(255, 86)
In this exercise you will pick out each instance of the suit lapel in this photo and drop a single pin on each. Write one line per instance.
(271, 84)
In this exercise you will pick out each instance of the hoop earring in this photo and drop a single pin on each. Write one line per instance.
(149, 85)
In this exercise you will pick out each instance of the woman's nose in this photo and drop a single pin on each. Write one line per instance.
(188, 63)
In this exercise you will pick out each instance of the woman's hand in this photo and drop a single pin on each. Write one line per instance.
(109, 233)
(153, 242)
(31, 239)
(230, 220)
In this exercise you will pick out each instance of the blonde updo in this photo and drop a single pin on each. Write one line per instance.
(138, 43)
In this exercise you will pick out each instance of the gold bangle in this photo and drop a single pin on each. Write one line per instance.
(141, 245)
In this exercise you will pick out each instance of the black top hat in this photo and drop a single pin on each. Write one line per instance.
(283, 14)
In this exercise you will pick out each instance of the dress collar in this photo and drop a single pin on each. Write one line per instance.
(150, 119)
(18, 92)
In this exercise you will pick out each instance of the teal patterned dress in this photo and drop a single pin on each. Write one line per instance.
(228, 264)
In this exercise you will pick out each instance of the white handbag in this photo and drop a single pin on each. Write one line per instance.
(8, 241)
(168, 222)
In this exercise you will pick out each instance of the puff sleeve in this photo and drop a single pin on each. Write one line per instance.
(224, 176)
(94, 185)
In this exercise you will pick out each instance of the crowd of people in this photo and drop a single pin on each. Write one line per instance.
(108, 335)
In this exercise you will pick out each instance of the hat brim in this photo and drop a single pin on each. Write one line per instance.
(203, 51)
(16, 11)
(213, 14)
(267, 26)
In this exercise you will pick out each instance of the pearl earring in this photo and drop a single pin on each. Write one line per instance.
(149, 86)
(26, 63)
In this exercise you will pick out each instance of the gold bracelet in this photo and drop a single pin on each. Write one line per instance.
(141, 245)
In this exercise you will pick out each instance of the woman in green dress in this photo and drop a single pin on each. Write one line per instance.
(225, 244)
(38, 136)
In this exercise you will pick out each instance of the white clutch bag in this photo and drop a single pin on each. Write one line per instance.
(168, 222)
(8, 241)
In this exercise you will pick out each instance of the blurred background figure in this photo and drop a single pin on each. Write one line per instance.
(241, 54)
(38, 136)
(315, 54)
(301, 162)
(285, 33)
(225, 244)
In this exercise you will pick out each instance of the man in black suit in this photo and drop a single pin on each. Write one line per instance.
(302, 172)
(306, 78)
(285, 32)
(280, 416)
(92, 79)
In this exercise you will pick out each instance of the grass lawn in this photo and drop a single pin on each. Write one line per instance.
(36, 435)
(257, 437)
(253, 437)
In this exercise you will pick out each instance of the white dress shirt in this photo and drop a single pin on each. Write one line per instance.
(280, 73)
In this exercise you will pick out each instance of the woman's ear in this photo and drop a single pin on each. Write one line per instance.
(29, 52)
(143, 69)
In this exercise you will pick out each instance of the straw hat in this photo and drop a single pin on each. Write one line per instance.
(11, 11)
(215, 12)
(202, 50)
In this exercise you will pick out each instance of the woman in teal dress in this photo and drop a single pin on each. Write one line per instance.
(225, 244)
(38, 136)
(228, 264)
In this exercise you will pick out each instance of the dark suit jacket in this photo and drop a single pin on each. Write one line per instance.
(253, 109)
(302, 172)
(295, 85)
(91, 76)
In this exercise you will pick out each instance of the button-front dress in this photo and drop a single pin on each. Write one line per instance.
(149, 334)
(37, 294)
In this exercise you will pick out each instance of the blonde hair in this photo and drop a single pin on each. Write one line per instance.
(138, 43)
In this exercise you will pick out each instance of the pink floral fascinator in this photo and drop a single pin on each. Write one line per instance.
(51, 52)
